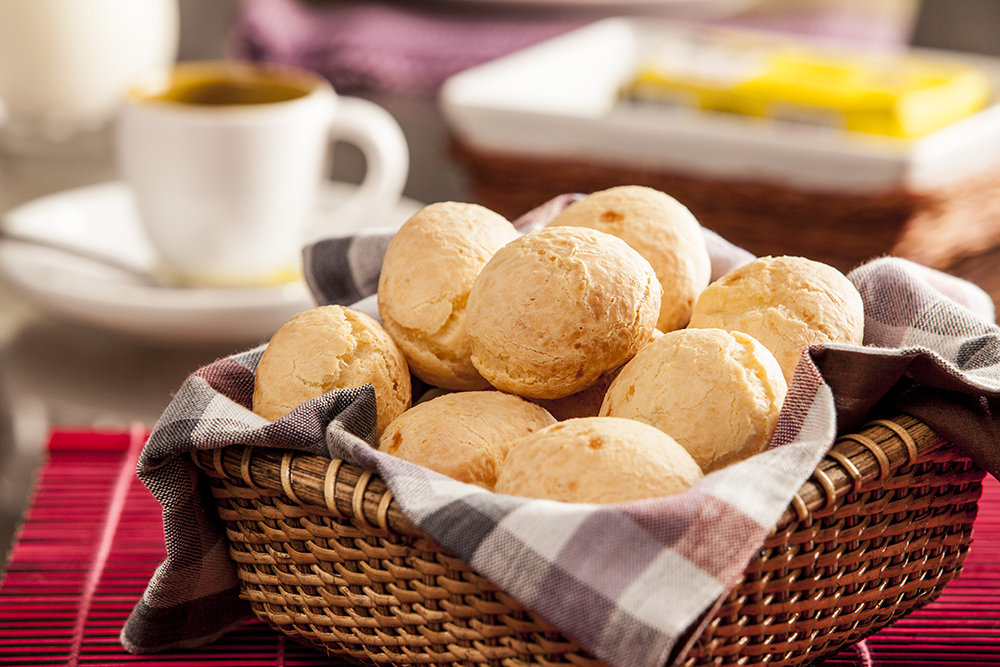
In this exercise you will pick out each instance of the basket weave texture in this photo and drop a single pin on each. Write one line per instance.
(935, 228)
(325, 556)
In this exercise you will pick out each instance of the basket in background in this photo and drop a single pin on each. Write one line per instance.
(936, 228)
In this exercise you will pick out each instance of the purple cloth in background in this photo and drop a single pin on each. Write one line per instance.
(413, 47)
(381, 46)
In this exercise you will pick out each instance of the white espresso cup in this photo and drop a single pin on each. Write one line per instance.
(225, 161)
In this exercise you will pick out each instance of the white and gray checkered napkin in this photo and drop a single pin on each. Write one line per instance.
(624, 580)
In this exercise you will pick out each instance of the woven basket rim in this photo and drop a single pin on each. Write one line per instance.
(858, 458)
(855, 460)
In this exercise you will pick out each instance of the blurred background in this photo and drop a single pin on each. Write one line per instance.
(57, 372)
(434, 44)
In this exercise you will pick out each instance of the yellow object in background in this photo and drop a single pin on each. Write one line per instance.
(744, 73)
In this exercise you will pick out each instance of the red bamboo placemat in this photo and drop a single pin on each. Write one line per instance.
(92, 537)
(89, 543)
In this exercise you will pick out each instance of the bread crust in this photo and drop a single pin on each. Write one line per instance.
(597, 460)
(659, 228)
(427, 272)
(328, 348)
(557, 308)
(786, 303)
(465, 435)
(717, 393)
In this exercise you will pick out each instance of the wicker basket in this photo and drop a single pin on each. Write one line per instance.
(325, 556)
(843, 229)
(840, 229)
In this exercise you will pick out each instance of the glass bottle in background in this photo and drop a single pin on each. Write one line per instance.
(65, 64)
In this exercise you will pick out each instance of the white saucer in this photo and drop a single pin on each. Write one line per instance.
(102, 219)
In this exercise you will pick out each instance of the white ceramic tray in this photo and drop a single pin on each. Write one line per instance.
(560, 99)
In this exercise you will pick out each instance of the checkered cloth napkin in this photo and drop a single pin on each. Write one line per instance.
(623, 580)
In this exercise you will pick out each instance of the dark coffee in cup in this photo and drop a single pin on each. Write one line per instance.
(222, 85)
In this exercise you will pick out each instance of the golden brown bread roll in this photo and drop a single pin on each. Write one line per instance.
(717, 393)
(662, 230)
(555, 309)
(427, 272)
(328, 348)
(786, 303)
(597, 460)
(465, 435)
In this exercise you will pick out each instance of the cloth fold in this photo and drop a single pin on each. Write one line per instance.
(623, 580)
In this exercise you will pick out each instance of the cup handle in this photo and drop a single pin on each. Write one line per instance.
(387, 161)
